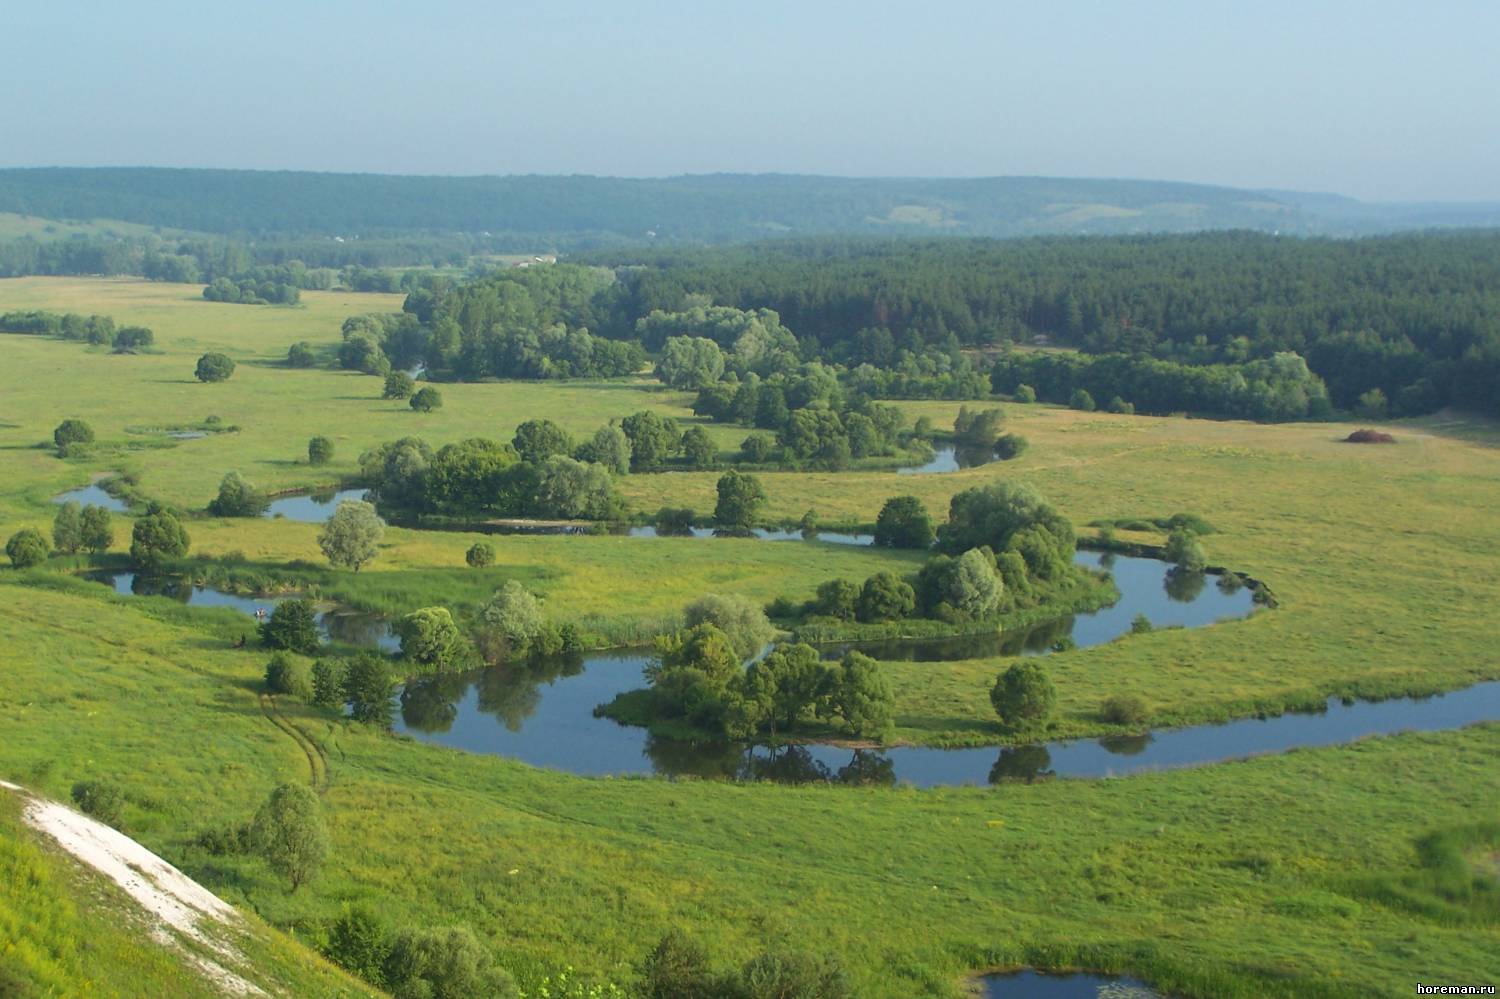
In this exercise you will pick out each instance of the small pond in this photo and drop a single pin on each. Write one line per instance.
(1041, 985)
(950, 458)
(311, 508)
(340, 624)
(92, 495)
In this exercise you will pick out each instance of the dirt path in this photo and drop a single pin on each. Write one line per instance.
(178, 906)
(317, 760)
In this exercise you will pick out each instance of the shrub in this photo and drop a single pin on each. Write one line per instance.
(904, 522)
(608, 447)
(368, 688)
(1120, 406)
(214, 367)
(360, 943)
(1025, 393)
(1372, 405)
(1185, 551)
(1369, 437)
(885, 597)
(1081, 400)
(776, 976)
(237, 498)
(319, 451)
(100, 799)
(1124, 709)
(1010, 446)
(678, 968)
(288, 675)
(443, 963)
(133, 338)
(426, 399)
(300, 355)
(328, 682)
(398, 385)
(1023, 696)
(481, 554)
(428, 637)
(514, 617)
(742, 621)
(837, 598)
(292, 625)
(756, 448)
(1141, 625)
(72, 432)
(697, 449)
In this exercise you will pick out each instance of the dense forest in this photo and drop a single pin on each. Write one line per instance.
(1415, 316)
(581, 211)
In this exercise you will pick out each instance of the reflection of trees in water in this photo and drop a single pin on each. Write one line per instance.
(430, 704)
(511, 692)
(868, 767)
(1229, 583)
(973, 455)
(1183, 586)
(1126, 745)
(787, 765)
(679, 758)
(172, 587)
(363, 630)
(1022, 763)
(1038, 638)
(1107, 560)
(323, 496)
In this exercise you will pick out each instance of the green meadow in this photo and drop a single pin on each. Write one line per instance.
(1297, 875)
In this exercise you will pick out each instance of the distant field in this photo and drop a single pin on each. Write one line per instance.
(1247, 879)
(14, 226)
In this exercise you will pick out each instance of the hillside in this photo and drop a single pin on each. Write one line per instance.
(586, 210)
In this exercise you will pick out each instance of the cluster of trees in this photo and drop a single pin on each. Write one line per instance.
(96, 330)
(699, 675)
(252, 289)
(1279, 387)
(1413, 315)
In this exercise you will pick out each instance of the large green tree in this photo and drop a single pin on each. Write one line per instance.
(157, 538)
(290, 833)
(740, 499)
(351, 537)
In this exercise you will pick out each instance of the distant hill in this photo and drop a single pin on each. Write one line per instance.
(582, 210)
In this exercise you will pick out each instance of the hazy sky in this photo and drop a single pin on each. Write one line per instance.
(1381, 100)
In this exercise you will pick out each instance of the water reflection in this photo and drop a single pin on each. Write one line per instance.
(950, 458)
(1022, 763)
(1030, 984)
(92, 495)
(314, 507)
(1185, 586)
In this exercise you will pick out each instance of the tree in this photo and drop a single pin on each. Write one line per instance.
(740, 500)
(678, 968)
(352, 535)
(67, 528)
(1010, 446)
(156, 539)
(904, 523)
(788, 682)
(756, 448)
(443, 963)
(690, 362)
(885, 597)
(861, 696)
(328, 677)
(319, 451)
(214, 367)
(741, 620)
(698, 449)
(1372, 405)
(293, 625)
(1024, 393)
(652, 438)
(98, 531)
(398, 385)
(964, 588)
(237, 498)
(1023, 696)
(569, 488)
(1185, 551)
(537, 440)
(26, 548)
(1080, 399)
(608, 447)
(429, 637)
(133, 338)
(480, 555)
(368, 688)
(515, 616)
(359, 943)
(1124, 709)
(1006, 516)
(288, 675)
(837, 598)
(72, 432)
(426, 399)
(290, 833)
(300, 355)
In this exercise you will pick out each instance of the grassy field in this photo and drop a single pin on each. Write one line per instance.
(1242, 879)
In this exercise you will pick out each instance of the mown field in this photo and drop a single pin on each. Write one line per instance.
(1242, 879)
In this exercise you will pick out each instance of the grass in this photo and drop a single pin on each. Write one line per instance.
(1246, 879)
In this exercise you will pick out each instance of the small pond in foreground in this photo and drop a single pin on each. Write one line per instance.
(1078, 985)
(311, 508)
(92, 495)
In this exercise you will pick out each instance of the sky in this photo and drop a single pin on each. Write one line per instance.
(1379, 100)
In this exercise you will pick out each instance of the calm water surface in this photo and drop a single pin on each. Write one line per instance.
(92, 495)
(1038, 985)
(950, 458)
(311, 508)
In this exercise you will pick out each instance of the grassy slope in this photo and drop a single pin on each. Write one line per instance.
(1244, 870)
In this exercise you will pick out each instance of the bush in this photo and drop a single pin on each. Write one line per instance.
(214, 367)
(885, 597)
(368, 689)
(426, 399)
(513, 620)
(480, 555)
(1124, 709)
(443, 963)
(1024, 393)
(756, 448)
(904, 522)
(288, 675)
(74, 433)
(1081, 400)
(292, 625)
(100, 799)
(1185, 551)
(429, 637)
(678, 968)
(674, 520)
(1369, 437)
(319, 451)
(26, 548)
(156, 539)
(359, 942)
(742, 621)
(398, 385)
(237, 498)
(1141, 625)
(300, 355)
(328, 683)
(1023, 696)
(697, 449)
(1120, 406)
(1010, 446)
(133, 338)
(778, 976)
(837, 598)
